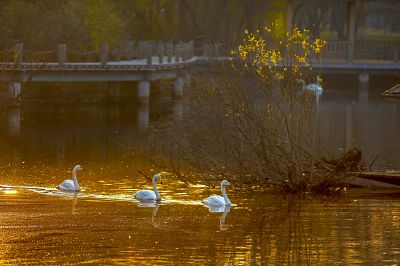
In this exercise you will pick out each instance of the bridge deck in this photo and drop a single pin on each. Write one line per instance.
(136, 70)
(138, 64)
(370, 66)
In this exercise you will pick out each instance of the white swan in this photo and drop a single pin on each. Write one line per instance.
(149, 194)
(71, 185)
(313, 87)
(218, 200)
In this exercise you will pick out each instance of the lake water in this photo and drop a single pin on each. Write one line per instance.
(105, 225)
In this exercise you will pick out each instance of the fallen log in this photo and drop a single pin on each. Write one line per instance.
(393, 91)
(349, 161)
(392, 178)
(349, 167)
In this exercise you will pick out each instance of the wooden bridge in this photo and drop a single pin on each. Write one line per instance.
(161, 59)
(144, 62)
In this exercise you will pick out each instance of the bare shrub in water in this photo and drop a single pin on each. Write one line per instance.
(253, 124)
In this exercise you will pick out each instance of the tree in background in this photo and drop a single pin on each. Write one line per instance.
(101, 21)
(41, 24)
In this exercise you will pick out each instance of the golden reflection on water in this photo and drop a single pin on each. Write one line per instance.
(8, 191)
(44, 225)
(40, 224)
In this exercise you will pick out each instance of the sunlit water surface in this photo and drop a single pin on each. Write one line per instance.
(104, 224)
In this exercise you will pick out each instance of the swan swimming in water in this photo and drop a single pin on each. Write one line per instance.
(313, 87)
(71, 185)
(149, 194)
(218, 200)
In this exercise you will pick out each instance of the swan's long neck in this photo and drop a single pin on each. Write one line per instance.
(75, 179)
(158, 197)
(227, 201)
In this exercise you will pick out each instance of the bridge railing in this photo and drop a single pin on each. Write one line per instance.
(158, 52)
(378, 50)
(362, 50)
(152, 52)
(336, 49)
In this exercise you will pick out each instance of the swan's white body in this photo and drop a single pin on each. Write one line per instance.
(313, 87)
(149, 194)
(215, 209)
(218, 200)
(71, 185)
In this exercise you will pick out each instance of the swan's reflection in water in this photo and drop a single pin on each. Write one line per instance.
(5, 190)
(221, 209)
(151, 204)
(74, 201)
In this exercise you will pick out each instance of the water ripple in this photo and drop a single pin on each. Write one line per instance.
(50, 191)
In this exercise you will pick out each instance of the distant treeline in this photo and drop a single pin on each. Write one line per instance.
(85, 24)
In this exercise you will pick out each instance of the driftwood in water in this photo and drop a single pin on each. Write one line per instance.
(350, 161)
(393, 91)
(334, 172)
(389, 178)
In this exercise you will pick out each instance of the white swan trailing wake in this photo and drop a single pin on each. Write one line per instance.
(149, 194)
(71, 185)
(218, 200)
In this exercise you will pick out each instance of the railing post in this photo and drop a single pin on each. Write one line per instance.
(216, 50)
(62, 53)
(149, 56)
(191, 49)
(161, 52)
(169, 49)
(179, 51)
(205, 50)
(129, 51)
(396, 55)
(176, 52)
(18, 54)
(140, 49)
(118, 53)
(104, 53)
(350, 51)
(209, 50)
(187, 51)
(183, 52)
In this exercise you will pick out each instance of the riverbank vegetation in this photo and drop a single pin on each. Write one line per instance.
(255, 124)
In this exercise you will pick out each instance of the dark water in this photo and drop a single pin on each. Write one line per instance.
(103, 224)
(361, 118)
